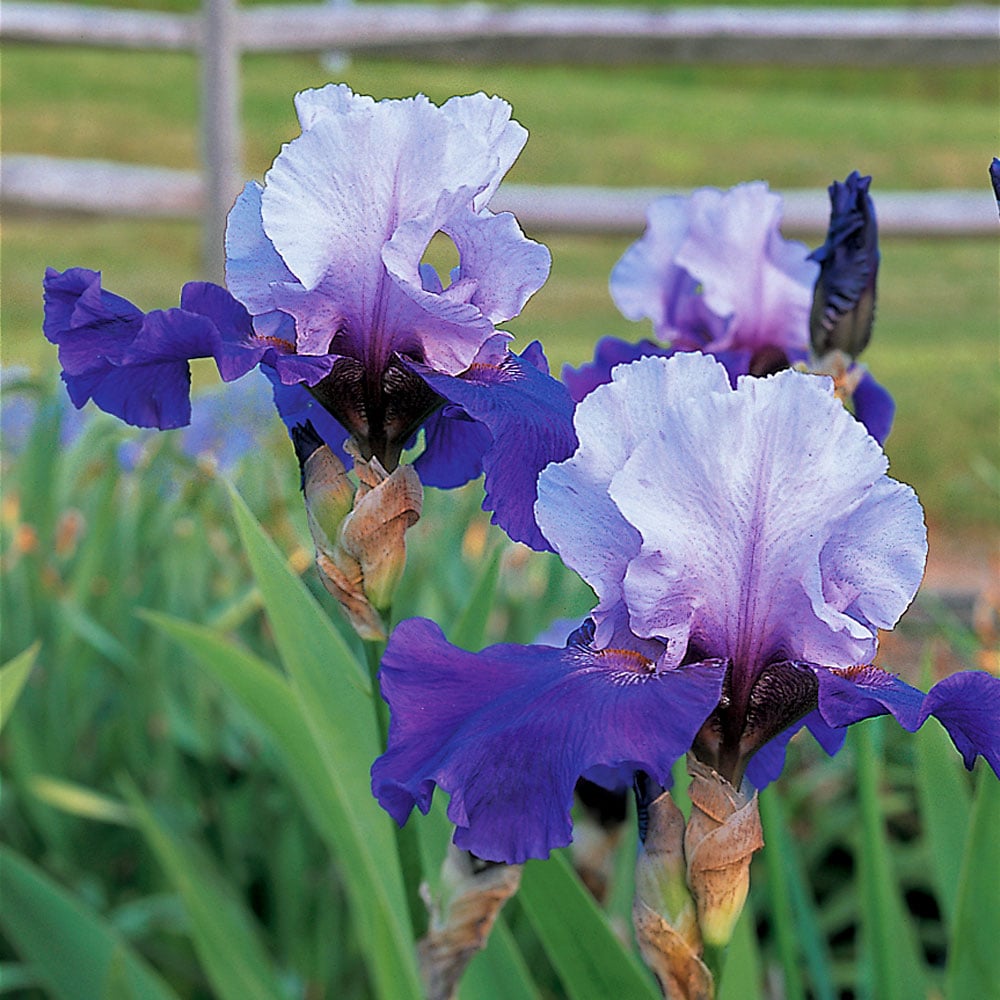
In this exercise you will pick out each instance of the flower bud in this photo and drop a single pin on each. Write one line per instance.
(663, 911)
(472, 895)
(843, 306)
(359, 535)
(723, 833)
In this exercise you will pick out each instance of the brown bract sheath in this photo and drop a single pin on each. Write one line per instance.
(722, 835)
(663, 912)
(473, 893)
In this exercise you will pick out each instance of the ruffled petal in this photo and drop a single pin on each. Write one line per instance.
(529, 417)
(454, 449)
(646, 279)
(508, 731)
(133, 365)
(967, 704)
(351, 205)
(253, 266)
(768, 762)
(733, 521)
(575, 511)
(873, 560)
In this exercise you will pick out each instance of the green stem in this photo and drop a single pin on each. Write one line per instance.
(407, 840)
(713, 956)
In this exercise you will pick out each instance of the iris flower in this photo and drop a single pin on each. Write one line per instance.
(745, 546)
(328, 292)
(713, 273)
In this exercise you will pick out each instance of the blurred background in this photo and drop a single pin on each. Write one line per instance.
(98, 521)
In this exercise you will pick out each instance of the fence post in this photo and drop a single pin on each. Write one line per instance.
(221, 140)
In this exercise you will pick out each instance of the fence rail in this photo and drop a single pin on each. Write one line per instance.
(955, 36)
(478, 32)
(118, 189)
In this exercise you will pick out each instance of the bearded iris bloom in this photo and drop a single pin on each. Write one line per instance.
(329, 293)
(713, 274)
(745, 546)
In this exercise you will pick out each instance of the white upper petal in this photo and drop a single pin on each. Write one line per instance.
(755, 523)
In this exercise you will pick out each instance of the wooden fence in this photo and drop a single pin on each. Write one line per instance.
(951, 36)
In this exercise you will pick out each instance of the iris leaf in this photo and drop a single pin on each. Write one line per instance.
(223, 933)
(589, 959)
(973, 967)
(353, 828)
(13, 676)
(70, 948)
(889, 941)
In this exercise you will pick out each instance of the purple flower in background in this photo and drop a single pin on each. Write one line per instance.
(745, 546)
(713, 274)
(331, 295)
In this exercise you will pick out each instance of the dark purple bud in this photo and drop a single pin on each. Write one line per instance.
(995, 178)
(844, 299)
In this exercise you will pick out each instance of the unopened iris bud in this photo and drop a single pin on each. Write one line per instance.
(374, 533)
(843, 308)
(995, 178)
(722, 836)
(663, 911)
(472, 895)
(359, 534)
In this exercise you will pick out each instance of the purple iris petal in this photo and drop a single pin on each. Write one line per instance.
(529, 418)
(874, 407)
(967, 704)
(995, 178)
(713, 273)
(133, 365)
(508, 731)
(297, 406)
(609, 353)
(768, 762)
(455, 445)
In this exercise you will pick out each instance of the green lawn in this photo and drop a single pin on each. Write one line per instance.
(935, 343)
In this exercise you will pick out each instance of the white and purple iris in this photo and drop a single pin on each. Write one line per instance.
(713, 274)
(330, 295)
(745, 545)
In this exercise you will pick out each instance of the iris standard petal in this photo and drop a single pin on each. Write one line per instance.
(735, 497)
(575, 511)
(746, 270)
(351, 205)
(253, 266)
(508, 731)
(529, 417)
